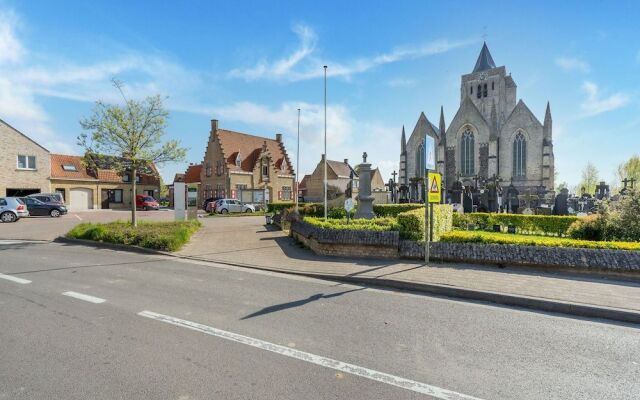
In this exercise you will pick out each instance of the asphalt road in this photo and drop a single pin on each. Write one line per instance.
(163, 328)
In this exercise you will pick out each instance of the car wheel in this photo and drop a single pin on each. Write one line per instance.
(8, 217)
(54, 213)
(224, 211)
(249, 210)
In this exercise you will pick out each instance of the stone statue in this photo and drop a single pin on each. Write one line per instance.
(365, 199)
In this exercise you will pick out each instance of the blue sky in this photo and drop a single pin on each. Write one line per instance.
(252, 64)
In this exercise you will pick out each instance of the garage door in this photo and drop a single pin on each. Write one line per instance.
(80, 199)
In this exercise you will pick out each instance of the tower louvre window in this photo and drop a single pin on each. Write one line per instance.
(471, 87)
(493, 86)
(479, 94)
(484, 92)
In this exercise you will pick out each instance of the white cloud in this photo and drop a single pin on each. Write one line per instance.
(11, 50)
(401, 82)
(595, 105)
(310, 66)
(573, 64)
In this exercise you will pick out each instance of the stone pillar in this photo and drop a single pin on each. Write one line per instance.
(365, 199)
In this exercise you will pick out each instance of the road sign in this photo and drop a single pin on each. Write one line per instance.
(434, 187)
(430, 153)
(348, 204)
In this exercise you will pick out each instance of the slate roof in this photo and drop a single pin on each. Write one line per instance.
(485, 61)
(249, 147)
(193, 173)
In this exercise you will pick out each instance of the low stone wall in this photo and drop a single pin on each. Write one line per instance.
(346, 243)
(596, 260)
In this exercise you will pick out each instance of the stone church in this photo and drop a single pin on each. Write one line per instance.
(492, 135)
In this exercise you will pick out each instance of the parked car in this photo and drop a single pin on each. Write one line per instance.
(12, 209)
(39, 208)
(54, 198)
(206, 203)
(225, 206)
(146, 202)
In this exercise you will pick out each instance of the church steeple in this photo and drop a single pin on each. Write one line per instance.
(485, 61)
(548, 122)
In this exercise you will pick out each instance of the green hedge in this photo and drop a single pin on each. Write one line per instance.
(531, 240)
(168, 236)
(276, 207)
(526, 224)
(392, 210)
(375, 224)
(412, 222)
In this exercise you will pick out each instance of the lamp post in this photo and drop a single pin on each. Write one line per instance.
(325, 142)
(298, 163)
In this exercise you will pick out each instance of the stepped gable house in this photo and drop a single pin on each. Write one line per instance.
(239, 165)
(491, 134)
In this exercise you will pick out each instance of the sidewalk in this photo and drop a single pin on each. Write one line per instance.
(245, 241)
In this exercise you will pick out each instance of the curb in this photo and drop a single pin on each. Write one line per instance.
(532, 303)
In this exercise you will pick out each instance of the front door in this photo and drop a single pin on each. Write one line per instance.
(104, 199)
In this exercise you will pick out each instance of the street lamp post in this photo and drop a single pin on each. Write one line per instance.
(298, 163)
(325, 142)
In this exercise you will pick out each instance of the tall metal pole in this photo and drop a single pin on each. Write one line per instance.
(298, 163)
(325, 142)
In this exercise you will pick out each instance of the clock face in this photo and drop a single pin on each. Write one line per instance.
(483, 76)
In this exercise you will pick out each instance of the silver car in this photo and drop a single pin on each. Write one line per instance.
(225, 206)
(12, 209)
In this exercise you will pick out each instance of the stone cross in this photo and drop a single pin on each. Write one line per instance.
(364, 157)
(394, 175)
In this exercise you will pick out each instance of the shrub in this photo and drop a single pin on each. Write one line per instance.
(412, 222)
(625, 218)
(529, 224)
(532, 240)
(593, 227)
(276, 207)
(392, 210)
(168, 236)
(375, 224)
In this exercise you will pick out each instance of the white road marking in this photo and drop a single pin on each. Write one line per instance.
(374, 375)
(77, 216)
(14, 279)
(84, 297)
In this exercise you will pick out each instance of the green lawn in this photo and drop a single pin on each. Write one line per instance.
(460, 236)
(167, 236)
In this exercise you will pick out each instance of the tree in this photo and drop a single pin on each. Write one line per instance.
(589, 179)
(129, 137)
(629, 169)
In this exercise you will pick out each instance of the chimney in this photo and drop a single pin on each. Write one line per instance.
(214, 125)
(322, 159)
(279, 137)
(346, 161)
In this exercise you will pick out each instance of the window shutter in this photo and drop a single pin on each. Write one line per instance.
(279, 195)
(233, 194)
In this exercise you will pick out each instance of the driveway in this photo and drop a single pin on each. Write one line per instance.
(47, 228)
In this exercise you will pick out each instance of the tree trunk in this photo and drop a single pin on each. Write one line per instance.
(134, 220)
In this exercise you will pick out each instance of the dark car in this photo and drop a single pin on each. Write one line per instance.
(52, 198)
(39, 208)
(206, 202)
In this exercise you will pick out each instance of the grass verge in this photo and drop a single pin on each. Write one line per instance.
(532, 240)
(251, 214)
(167, 236)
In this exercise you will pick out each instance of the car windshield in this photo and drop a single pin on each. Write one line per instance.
(19, 200)
(148, 199)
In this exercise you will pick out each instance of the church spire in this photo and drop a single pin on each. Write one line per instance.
(403, 142)
(546, 128)
(442, 127)
(485, 61)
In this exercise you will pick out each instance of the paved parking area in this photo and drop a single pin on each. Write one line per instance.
(47, 228)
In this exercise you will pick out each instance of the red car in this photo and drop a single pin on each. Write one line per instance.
(146, 202)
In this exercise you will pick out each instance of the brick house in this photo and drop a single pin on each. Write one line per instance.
(24, 164)
(338, 175)
(85, 188)
(243, 166)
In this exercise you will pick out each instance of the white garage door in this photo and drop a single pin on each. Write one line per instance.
(80, 199)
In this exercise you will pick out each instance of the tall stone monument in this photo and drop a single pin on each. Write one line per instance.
(365, 199)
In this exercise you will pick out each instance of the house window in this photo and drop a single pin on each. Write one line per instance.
(219, 190)
(484, 92)
(62, 193)
(69, 167)
(218, 168)
(286, 193)
(467, 153)
(137, 178)
(26, 162)
(126, 178)
(241, 187)
(238, 160)
(115, 196)
(519, 155)
(265, 171)
(208, 170)
(479, 93)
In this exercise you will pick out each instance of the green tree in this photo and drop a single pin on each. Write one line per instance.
(589, 179)
(629, 169)
(129, 137)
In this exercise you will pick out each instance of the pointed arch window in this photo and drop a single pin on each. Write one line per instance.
(467, 153)
(479, 92)
(519, 155)
(420, 162)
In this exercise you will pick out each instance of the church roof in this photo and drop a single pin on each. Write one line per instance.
(485, 61)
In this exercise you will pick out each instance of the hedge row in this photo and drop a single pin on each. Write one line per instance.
(412, 222)
(531, 240)
(392, 210)
(276, 207)
(530, 224)
(375, 224)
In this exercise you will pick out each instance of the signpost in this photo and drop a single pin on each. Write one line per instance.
(429, 164)
(348, 206)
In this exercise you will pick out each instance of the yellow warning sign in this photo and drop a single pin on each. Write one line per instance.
(434, 185)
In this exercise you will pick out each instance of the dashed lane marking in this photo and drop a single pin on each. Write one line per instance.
(15, 279)
(84, 297)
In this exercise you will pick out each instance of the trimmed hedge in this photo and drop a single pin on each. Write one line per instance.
(527, 224)
(458, 236)
(276, 207)
(168, 236)
(375, 224)
(392, 210)
(412, 222)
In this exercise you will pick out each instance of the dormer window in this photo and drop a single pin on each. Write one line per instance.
(238, 160)
(283, 167)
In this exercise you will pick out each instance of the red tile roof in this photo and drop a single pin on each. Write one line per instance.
(57, 171)
(249, 147)
(193, 173)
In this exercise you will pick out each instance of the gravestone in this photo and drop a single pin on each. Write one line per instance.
(561, 206)
(365, 199)
(602, 191)
(456, 192)
(467, 200)
(513, 202)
